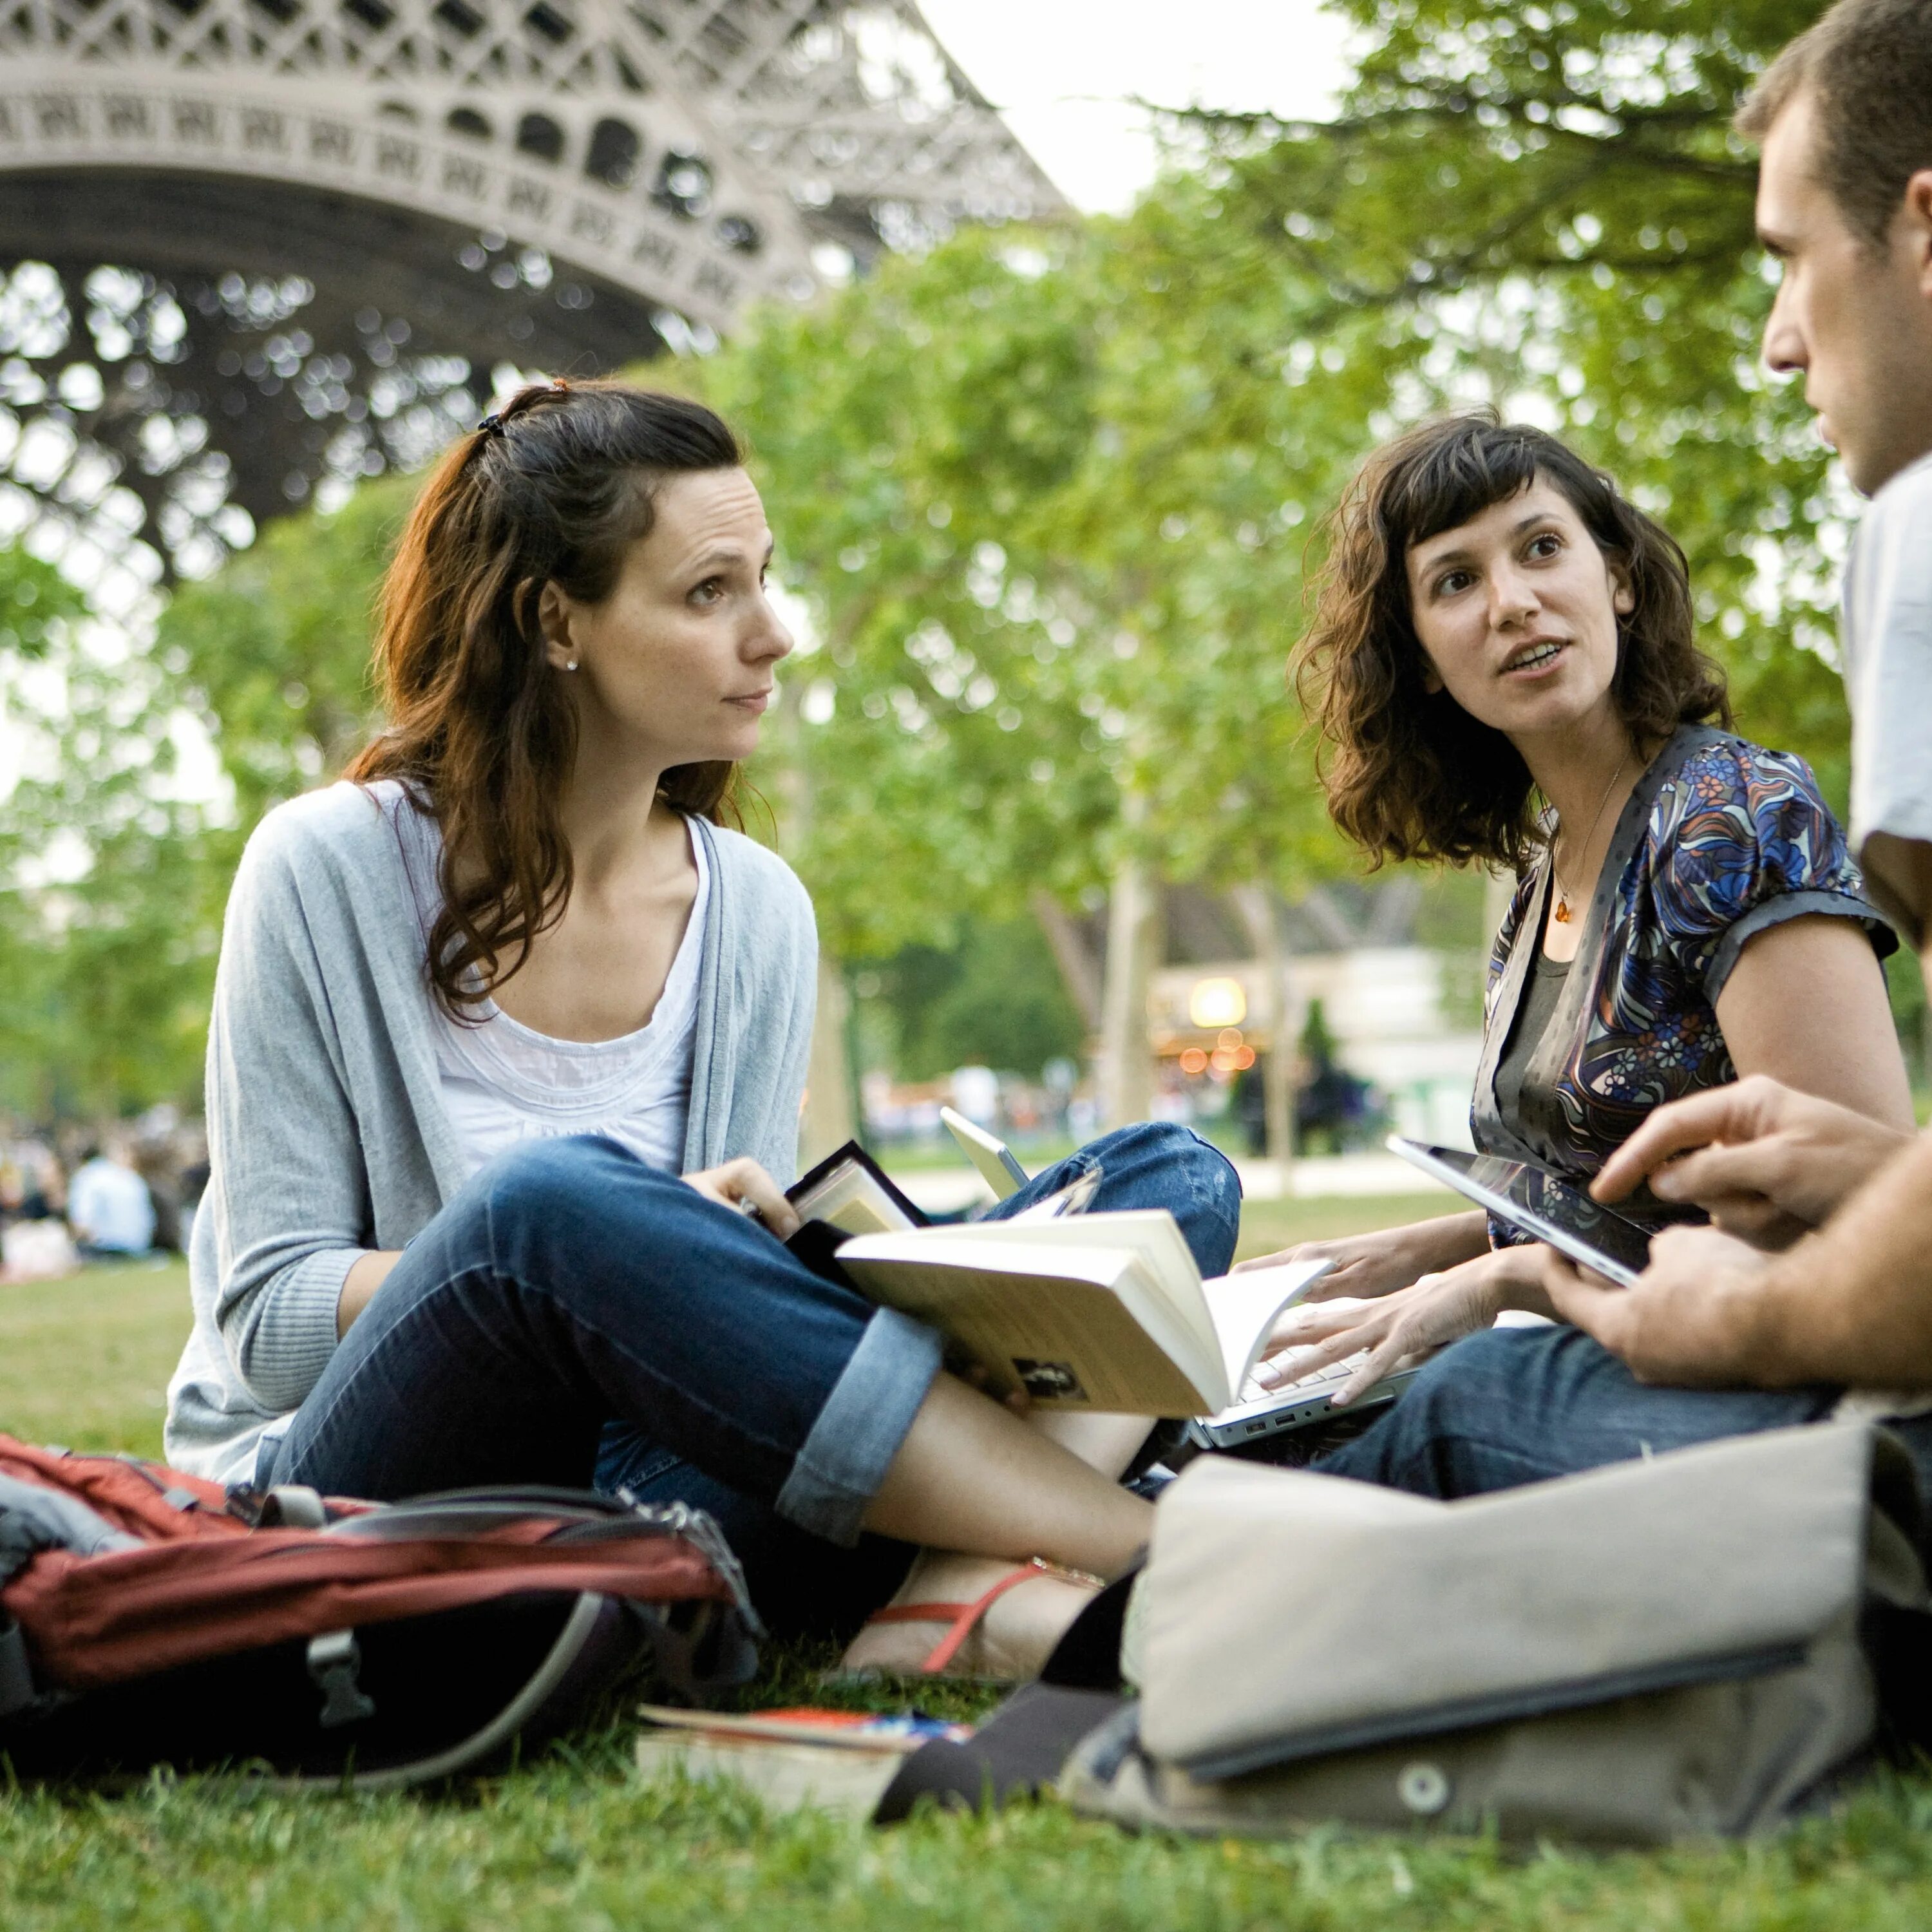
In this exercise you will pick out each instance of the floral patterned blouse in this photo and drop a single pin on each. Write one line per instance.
(1720, 839)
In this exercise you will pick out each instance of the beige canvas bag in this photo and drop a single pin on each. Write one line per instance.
(1656, 1650)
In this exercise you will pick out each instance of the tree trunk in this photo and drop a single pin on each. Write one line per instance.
(1078, 967)
(831, 1114)
(831, 1107)
(1256, 906)
(1133, 931)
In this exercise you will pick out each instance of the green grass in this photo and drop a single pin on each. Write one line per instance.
(86, 1362)
(577, 1841)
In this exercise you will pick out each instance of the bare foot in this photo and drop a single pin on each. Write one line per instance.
(1009, 1643)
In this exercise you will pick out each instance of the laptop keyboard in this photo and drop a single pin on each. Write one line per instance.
(1256, 1390)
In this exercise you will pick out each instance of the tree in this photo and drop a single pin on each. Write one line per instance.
(106, 961)
(1050, 495)
(275, 648)
(1046, 495)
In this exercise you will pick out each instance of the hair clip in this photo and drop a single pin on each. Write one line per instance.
(491, 425)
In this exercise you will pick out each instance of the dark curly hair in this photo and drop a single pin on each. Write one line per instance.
(1408, 773)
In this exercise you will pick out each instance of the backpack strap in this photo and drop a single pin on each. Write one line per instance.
(33, 1517)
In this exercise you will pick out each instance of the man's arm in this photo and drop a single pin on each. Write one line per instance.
(1851, 1304)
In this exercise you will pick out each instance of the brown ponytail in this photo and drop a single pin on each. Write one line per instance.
(554, 488)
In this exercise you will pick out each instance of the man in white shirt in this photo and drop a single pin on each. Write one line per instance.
(1845, 203)
(108, 1205)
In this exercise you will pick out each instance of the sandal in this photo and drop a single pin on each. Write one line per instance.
(962, 1619)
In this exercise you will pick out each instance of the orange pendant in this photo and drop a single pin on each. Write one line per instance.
(1562, 913)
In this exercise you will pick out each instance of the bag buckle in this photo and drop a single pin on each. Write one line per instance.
(334, 1658)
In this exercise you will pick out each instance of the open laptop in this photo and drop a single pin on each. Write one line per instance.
(1265, 1412)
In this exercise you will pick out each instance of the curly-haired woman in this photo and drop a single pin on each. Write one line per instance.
(508, 1027)
(1504, 666)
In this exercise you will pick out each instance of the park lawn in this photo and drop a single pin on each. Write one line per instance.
(577, 1841)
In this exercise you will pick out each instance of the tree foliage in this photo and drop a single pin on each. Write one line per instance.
(276, 648)
(993, 998)
(103, 951)
(1048, 497)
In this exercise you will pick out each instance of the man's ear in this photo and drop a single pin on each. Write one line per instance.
(554, 620)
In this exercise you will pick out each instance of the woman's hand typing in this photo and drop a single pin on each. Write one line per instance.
(1430, 1314)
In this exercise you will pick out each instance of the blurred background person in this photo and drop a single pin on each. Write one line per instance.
(109, 1207)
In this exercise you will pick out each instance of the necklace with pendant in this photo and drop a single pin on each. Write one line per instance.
(1562, 915)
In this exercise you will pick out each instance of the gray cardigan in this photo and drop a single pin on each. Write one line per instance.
(327, 1134)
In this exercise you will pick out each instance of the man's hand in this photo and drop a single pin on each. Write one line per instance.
(1767, 1163)
(1694, 1319)
(743, 1181)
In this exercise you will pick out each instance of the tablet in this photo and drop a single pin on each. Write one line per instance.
(1540, 1203)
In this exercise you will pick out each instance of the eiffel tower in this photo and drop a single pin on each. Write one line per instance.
(255, 249)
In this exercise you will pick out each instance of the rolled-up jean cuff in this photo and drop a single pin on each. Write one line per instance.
(859, 1431)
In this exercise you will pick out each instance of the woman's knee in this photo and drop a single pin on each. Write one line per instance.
(1205, 1176)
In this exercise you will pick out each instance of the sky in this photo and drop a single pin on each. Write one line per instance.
(1064, 71)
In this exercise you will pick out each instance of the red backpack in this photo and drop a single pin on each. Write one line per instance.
(148, 1617)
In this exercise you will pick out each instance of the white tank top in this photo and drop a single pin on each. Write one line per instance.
(502, 1082)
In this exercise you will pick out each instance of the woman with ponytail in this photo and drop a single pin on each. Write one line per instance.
(510, 1026)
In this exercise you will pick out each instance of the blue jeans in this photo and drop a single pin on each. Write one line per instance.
(574, 1315)
(1514, 1405)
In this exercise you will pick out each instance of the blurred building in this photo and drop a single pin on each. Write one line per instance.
(258, 248)
(1386, 1007)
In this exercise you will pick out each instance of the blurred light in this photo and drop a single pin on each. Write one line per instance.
(1193, 1060)
(1229, 1039)
(1217, 1003)
(1244, 1057)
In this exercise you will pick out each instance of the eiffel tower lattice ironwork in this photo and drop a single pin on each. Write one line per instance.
(259, 247)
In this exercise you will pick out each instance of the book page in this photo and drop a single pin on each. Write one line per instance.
(1048, 1319)
(1246, 1306)
(1151, 1233)
(854, 1203)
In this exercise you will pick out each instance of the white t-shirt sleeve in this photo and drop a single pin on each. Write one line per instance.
(1888, 653)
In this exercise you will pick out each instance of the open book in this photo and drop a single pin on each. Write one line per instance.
(1105, 1312)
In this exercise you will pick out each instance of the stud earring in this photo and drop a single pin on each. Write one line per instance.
(570, 664)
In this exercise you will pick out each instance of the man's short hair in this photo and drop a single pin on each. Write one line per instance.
(1868, 66)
